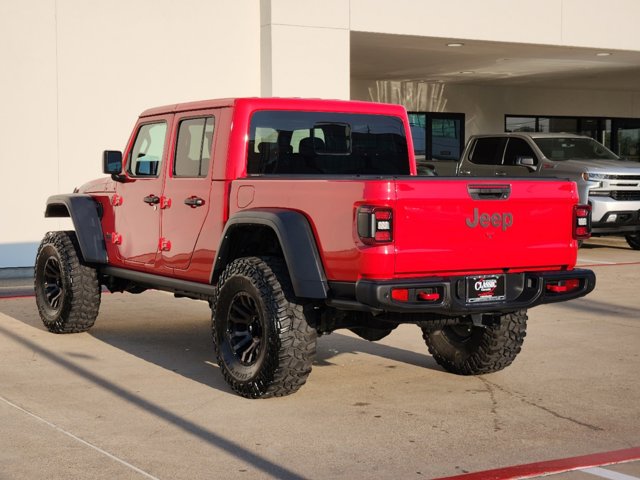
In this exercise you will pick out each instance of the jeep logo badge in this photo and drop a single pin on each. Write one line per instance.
(498, 220)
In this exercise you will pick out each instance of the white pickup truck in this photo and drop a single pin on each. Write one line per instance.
(608, 183)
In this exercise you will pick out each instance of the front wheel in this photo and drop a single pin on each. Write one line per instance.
(67, 291)
(264, 344)
(467, 349)
(633, 240)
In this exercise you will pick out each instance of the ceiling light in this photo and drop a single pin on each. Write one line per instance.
(465, 72)
(603, 54)
(455, 44)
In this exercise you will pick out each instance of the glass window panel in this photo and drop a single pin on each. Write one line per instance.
(520, 124)
(193, 150)
(147, 151)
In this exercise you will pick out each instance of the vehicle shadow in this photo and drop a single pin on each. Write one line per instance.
(175, 334)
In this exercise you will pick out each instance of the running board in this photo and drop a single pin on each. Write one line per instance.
(180, 287)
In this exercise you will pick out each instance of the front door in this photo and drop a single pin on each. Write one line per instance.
(138, 201)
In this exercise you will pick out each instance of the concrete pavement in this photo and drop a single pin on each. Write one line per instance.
(140, 396)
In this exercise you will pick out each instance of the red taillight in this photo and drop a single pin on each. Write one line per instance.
(563, 286)
(375, 225)
(581, 222)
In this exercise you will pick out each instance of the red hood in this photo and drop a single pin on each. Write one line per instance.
(98, 185)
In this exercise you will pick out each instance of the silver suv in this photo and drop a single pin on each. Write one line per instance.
(606, 182)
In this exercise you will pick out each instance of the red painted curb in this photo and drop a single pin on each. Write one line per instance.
(13, 297)
(552, 466)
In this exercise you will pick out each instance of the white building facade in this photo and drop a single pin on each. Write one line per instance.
(76, 73)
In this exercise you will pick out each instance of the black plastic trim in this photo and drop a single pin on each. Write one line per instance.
(187, 288)
(85, 213)
(296, 240)
(523, 290)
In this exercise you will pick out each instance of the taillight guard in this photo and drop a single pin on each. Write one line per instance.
(581, 222)
(375, 225)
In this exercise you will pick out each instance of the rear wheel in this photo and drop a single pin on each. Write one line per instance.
(67, 291)
(264, 344)
(466, 349)
(633, 240)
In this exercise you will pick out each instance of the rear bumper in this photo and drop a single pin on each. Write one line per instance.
(523, 290)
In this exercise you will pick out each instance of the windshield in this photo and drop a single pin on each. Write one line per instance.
(571, 148)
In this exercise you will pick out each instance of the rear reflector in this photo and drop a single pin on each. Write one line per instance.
(563, 286)
(400, 294)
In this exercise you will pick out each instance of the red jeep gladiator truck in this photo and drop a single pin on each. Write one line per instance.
(294, 218)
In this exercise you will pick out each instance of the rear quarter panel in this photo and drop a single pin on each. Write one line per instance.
(329, 205)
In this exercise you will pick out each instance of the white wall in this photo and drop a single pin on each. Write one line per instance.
(75, 75)
(305, 48)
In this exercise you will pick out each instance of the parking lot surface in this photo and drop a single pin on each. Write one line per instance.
(140, 395)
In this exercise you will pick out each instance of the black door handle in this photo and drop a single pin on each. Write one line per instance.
(194, 202)
(152, 199)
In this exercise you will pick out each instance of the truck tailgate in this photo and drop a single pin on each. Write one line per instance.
(456, 225)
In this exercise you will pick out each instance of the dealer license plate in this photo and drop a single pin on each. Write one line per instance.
(486, 288)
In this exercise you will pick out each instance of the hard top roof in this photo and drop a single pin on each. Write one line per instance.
(275, 103)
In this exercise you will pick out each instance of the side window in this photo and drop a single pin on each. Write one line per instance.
(488, 151)
(147, 151)
(193, 147)
(518, 148)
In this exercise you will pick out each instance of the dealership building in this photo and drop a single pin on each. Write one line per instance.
(76, 73)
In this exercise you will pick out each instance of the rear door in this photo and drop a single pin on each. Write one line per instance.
(186, 193)
(454, 225)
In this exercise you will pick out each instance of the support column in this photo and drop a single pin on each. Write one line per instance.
(305, 48)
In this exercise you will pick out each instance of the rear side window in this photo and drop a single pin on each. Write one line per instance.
(193, 149)
(326, 143)
(148, 149)
(488, 151)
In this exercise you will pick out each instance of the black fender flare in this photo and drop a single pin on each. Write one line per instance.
(85, 212)
(296, 241)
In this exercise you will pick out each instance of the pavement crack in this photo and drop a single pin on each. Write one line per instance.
(531, 403)
(494, 403)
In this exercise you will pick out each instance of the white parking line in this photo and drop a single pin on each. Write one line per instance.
(84, 442)
(610, 474)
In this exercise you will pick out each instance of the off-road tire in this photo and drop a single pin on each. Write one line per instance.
(264, 345)
(67, 291)
(466, 349)
(633, 240)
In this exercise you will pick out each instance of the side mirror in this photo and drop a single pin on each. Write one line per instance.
(527, 162)
(112, 164)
